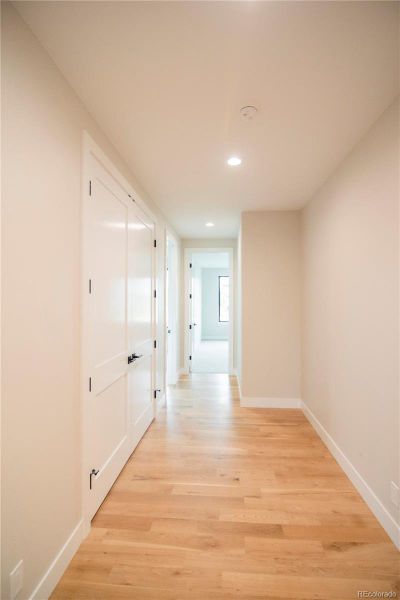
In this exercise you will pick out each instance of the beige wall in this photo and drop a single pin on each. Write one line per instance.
(42, 124)
(350, 306)
(270, 281)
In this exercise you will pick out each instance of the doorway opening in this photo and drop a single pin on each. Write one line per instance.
(209, 310)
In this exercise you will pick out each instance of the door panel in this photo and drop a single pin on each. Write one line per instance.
(141, 321)
(108, 268)
(192, 330)
(140, 279)
(109, 414)
(140, 390)
(171, 299)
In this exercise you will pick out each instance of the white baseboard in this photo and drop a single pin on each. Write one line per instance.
(250, 402)
(56, 569)
(381, 513)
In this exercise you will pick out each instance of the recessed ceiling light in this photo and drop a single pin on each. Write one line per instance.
(234, 161)
(209, 224)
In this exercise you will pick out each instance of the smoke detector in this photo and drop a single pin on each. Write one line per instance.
(248, 112)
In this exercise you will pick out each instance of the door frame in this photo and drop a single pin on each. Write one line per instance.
(90, 149)
(188, 253)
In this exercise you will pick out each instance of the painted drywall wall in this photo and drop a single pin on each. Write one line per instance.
(211, 327)
(271, 331)
(350, 306)
(42, 125)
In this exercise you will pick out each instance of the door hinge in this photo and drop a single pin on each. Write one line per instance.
(155, 243)
(190, 265)
(131, 197)
(90, 187)
(155, 343)
(190, 296)
(190, 357)
(92, 473)
(90, 384)
(90, 286)
(190, 327)
(155, 293)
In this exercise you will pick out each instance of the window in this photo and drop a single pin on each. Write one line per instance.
(223, 298)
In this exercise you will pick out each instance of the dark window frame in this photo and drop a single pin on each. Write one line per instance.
(219, 298)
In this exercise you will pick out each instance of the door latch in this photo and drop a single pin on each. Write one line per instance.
(93, 472)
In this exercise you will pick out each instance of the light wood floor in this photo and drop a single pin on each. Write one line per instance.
(223, 502)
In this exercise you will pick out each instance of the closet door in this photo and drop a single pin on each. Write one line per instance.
(141, 303)
(118, 323)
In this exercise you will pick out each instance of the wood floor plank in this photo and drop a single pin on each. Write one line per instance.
(222, 502)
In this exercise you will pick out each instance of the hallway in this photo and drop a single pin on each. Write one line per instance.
(222, 502)
(211, 356)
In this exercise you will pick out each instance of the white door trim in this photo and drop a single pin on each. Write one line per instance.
(91, 149)
(188, 252)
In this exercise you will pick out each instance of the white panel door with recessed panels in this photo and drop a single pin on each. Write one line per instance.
(118, 329)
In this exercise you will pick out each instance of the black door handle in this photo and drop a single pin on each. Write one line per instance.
(93, 473)
(133, 357)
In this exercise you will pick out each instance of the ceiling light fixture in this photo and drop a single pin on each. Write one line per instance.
(248, 112)
(234, 161)
(209, 224)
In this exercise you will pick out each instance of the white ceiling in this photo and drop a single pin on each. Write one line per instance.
(166, 81)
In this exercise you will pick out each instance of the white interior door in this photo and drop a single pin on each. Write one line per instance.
(118, 325)
(171, 312)
(192, 323)
(140, 321)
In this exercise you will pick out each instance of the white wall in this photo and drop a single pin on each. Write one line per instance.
(271, 315)
(351, 307)
(211, 327)
(42, 124)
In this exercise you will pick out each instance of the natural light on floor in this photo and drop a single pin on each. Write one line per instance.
(211, 357)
